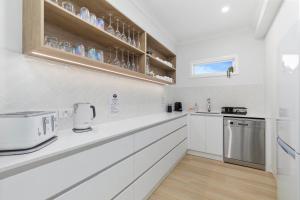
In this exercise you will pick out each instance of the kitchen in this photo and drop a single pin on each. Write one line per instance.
(111, 99)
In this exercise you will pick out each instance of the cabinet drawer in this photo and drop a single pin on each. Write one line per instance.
(146, 137)
(104, 186)
(52, 178)
(149, 156)
(145, 185)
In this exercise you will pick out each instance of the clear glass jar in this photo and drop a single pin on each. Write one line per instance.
(85, 14)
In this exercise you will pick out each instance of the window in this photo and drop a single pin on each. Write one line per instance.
(214, 67)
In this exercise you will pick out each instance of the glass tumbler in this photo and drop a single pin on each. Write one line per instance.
(68, 6)
(85, 14)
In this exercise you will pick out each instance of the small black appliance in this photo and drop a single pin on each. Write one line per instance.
(178, 106)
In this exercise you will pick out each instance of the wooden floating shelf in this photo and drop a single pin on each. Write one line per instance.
(69, 58)
(72, 23)
(44, 17)
(157, 63)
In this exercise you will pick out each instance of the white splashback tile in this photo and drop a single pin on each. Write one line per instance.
(29, 83)
(250, 96)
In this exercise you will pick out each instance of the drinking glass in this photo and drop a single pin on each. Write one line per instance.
(124, 38)
(85, 14)
(138, 41)
(116, 60)
(99, 55)
(118, 33)
(133, 43)
(110, 29)
(68, 6)
(80, 49)
(128, 60)
(123, 63)
(109, 59)
(100, 22)
(133, 66)
(92, 53)
(137, 63)
(51, 41)
(93, 19)
(128, 36)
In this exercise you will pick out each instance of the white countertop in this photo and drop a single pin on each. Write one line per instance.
(69, 141)
(249, 115)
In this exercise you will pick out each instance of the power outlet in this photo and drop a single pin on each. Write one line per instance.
(65, 113)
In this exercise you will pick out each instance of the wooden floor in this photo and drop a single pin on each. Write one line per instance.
(197, 178)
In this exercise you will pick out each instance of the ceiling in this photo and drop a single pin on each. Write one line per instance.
(188, 20)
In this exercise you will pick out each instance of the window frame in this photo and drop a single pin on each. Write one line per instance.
(214, 60)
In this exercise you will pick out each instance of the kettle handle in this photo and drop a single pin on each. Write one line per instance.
(94, 111)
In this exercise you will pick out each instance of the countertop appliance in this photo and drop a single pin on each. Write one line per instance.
(25, 132)
(244, 142)
(288, 119)
(84, 114)
(234, 110)
(178, 106)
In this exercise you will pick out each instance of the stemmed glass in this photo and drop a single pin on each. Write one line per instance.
(129, 38)
(124, 38)
(128, 60)
(109, 60)
(116, 60)
(133, 43)
(110, 29)
(118, 33)
(133, 66)
(138, 41)
(137, 64)
(123, 63)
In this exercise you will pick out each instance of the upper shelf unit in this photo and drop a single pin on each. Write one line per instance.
(80, 42)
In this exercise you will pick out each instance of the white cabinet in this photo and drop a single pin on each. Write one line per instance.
(206, 134)
(197, 133)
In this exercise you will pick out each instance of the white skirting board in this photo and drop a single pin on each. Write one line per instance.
(205, 155)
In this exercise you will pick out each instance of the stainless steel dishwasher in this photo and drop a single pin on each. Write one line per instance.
(244, 142)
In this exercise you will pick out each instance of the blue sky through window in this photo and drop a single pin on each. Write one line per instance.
(212, 68)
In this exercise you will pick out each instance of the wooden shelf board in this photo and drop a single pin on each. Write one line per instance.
(69, 58)
(157, 63)
(69, 21)
(153, 43)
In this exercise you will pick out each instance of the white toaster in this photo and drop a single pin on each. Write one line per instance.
(25, 130)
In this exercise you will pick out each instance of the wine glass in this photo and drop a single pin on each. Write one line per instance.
(129, 38)
(133, 66)
(137, 63)
(138, 41)
(109, 60)
(118, 33)
(124, 37)
(128, 60)
(123, 63)
(110, 29)
(116, 60)
(133, 43)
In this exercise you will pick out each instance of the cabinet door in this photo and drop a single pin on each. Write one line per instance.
(197, 133)
(214, 135)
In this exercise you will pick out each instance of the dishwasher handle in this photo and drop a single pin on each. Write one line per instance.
(243, 124)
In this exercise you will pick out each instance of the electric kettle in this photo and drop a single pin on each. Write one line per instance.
(84, 114)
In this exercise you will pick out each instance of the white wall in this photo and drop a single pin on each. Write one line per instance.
(34, 84)
(244, 89)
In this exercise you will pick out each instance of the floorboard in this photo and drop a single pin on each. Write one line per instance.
(197, 178)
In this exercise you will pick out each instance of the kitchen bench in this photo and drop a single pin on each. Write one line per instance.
(122, 160)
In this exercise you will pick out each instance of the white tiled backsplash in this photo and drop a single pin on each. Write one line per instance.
(250, 96)
(28, 83)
